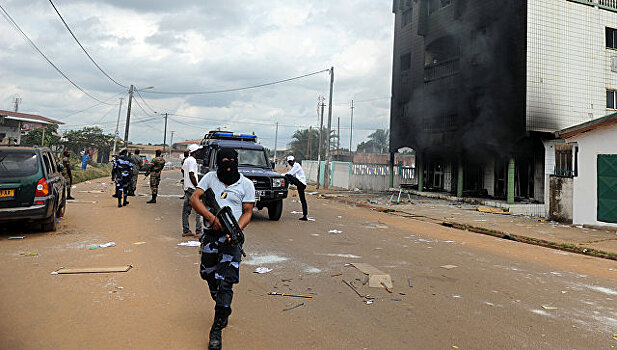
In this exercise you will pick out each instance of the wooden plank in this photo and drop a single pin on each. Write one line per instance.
(375, 276)
(492, 210)
(123, 268)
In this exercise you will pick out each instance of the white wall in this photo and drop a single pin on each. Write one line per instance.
(590, 144)
(568, 64)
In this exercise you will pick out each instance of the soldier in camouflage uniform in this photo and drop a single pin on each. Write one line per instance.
(137, 164)
(66, 173)
(156, 166)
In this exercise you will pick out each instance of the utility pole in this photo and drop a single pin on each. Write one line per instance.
(165, 134)
(321, 104)
(128, 117)
(328, 153)
(117, 125)
(276, 136)
(171, 143)
(310, 138)
(351, 129)
(16, 102)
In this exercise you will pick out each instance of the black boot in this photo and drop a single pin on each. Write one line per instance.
(153, 200)
(125, 201)
(119, 199)
(221, 316)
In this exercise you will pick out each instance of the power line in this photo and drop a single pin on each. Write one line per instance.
(144, 101)
(8, 17)
(142, 109)
(82, 47)
(97, 104)
(235, 89)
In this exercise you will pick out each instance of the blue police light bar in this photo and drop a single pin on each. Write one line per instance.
(232, 136)
(223, 134)
(245, 136)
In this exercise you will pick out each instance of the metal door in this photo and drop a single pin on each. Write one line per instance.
(607, 188)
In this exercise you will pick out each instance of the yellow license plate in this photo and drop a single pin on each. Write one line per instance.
(7, 193)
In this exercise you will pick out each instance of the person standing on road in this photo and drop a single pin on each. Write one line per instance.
(137, 164)
(220, 261)
(189, 172)
(67, 173)
(156, 166)
(123, 169)
(295, 176)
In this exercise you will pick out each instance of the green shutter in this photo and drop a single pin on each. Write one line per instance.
(607, 188)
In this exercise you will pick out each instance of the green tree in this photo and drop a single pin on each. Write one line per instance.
(299, 144)
(90, 137)
(33, 137)
(378, 142)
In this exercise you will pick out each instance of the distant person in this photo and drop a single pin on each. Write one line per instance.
(189, 172)
(138, 162)
(67, 173)
(123, 169)
(295, 176)
(84, 160)
(156, 166)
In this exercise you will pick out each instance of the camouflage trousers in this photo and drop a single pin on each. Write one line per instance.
(155, 179)
(220, 267)
(134, 180)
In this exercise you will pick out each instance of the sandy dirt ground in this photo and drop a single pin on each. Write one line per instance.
(501, 294)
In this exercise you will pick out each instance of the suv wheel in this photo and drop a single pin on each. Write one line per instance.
(50, 224)
(275, 209)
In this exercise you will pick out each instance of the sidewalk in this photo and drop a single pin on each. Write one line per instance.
(527, 229)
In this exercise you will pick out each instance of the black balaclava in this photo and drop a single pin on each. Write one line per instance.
(232, 175)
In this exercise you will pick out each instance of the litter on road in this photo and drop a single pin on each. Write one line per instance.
(293, 307)
(261, 270)
(139, 243)
(295, 212)
(545, 307)
(64, 271)
(20, 237)
(190, 244)
(375, 276)
(107, 245)
(290, 295)
(335, 231)
(491, 210)
(448, 267)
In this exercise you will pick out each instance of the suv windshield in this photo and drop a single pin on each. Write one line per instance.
(18, 163)
(252, 157)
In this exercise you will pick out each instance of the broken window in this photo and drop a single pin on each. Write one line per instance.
(611, 99)
(405, 62)
(611, 38)
(434, 5)
(564, 165)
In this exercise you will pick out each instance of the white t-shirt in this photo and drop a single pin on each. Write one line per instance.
(297, 171)
(242, 191)
(189, 166)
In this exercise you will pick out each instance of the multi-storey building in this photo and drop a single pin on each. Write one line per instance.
(479, 87)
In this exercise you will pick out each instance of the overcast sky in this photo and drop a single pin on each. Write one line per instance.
(198, 45)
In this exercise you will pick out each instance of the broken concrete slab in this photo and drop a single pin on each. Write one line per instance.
(375, 276)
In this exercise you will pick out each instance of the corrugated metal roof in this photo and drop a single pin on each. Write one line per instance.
(587, 126)
(33, 118)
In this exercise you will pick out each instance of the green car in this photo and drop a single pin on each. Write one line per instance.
(32, 188)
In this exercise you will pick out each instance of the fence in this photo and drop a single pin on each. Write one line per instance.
(370, 177)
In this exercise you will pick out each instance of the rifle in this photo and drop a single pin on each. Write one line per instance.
(148, 171)
(227, 220)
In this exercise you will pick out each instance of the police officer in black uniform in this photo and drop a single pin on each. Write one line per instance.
(123, 170)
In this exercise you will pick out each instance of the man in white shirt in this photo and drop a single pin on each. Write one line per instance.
(220, 260)
(295, 176)
(189, 172)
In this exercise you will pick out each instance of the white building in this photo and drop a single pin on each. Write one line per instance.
(594, 171)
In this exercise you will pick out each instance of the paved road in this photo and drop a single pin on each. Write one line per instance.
(493, 299)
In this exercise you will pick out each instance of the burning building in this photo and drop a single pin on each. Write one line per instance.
(479, 87)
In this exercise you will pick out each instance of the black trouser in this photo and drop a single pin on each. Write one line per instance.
(301, 187)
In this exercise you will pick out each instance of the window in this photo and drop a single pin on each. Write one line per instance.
(434, 5)
(405, 62)
(611, 96)
(611, 38)
(18, 163)
(563, 161)
(47, 164)
(406, 17)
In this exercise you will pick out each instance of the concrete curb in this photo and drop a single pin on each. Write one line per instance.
(566, 247)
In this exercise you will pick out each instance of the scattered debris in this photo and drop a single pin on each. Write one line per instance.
(354, 288)
(53, 273)
(295, 212)
(386, 288)
(190, 244)
(448, 267)
(336, 274)
(17, 237)
(293, 307)
(261, 270)
(335, 231)
(107, 245)
(92, 248)
(290, 295)
(92, 191)
(63, 271)
(31, 254)
(509, 237)
(376, 277)
(395, 299)
(492, 210)
(545, 307)
(84, 202)
(73, 187)
(368, 302)
(312, 193)
(139, 243)
(310, 219)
